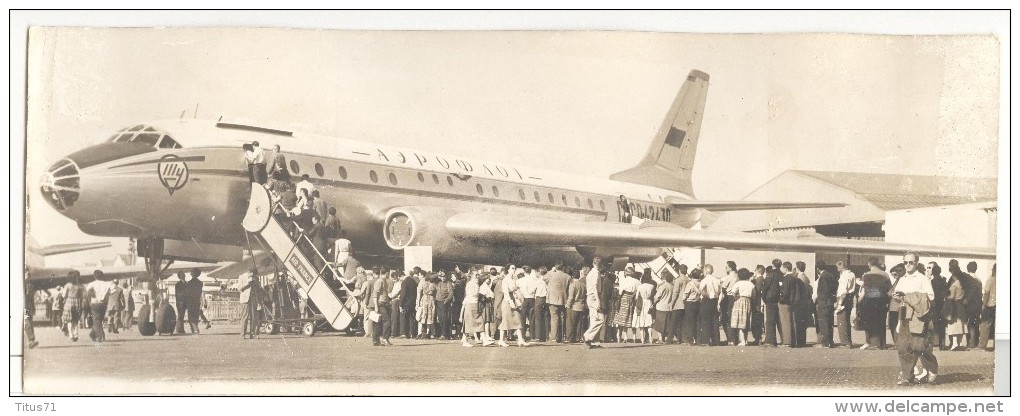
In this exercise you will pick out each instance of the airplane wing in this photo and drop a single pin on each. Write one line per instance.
(70, 248)
(719, 206)
(492, 228)
(47, 277)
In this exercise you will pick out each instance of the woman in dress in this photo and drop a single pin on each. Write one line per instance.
(956, 315)
(740, 315)
(426, 307)
(873, 305)
(644, 306)
(511, 310)
(486, 304)
(663, 306)
(74, 304)
(471, 313)
(623, 314)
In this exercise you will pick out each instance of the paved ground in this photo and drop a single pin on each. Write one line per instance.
(219, 362)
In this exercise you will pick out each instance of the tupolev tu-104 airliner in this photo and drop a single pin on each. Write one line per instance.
(181, 187)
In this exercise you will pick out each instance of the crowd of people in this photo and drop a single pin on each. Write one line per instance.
(99, 305)
(106, 305)
(770, 306)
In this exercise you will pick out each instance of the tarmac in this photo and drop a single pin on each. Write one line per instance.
(219, 362)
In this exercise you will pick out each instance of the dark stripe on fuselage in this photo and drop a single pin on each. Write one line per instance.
(144, 162)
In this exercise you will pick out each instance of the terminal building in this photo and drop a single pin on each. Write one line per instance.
(930, 210)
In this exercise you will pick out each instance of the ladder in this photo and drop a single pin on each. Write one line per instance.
(294, 254)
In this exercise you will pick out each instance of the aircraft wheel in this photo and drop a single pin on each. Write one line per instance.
(145, 327)
(166, 319)
(308, 329)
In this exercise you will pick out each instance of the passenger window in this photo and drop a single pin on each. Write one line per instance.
(537, 198)
(373, 176)
(590, 206)
(495, 191)
(564, 199)
(520, 192)
(550, 198)
(393, 179)
(294, 167)
(577, 200)
(421, 177)
(478, 187)
(449, 180)
(343, 173)
(602, 204)
(435, 178)
(318, 170)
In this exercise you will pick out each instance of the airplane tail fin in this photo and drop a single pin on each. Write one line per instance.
(670, 158)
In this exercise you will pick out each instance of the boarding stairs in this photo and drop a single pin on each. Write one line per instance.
(299, 256)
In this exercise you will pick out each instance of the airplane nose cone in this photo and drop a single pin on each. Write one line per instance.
(61, 185)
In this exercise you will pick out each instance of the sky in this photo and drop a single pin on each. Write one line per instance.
(581, 102)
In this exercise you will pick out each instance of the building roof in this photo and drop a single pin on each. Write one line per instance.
(892, 192)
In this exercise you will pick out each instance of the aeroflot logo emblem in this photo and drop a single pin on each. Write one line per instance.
(173, 172)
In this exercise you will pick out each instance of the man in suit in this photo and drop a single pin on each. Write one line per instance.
(757, 305)
(575, 305)
(557, 283)
(787, 289)
(127, 314)
(180, 301)
(444, 302)
(278, 169)
(801, 306)
(972, 289)
(408, 302)
(597, 305)
(677, 314)
(825, 304)
(194, 301)
(771, 296)
(380, 303)
(114, 304)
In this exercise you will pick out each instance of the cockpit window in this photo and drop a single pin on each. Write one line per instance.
(147, 138)
(146, 135)
(168, 143)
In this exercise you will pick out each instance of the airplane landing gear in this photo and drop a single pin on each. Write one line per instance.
(151, 250)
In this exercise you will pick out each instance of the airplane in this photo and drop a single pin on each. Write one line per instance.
(43, 277)
(184, 182)
(36, 270)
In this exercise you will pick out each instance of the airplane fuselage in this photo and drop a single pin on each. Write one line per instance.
(198, 191)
